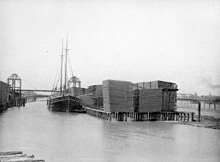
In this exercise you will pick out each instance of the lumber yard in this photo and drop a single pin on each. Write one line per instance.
(154, 100)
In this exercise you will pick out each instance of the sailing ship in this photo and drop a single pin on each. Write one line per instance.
(64, 100)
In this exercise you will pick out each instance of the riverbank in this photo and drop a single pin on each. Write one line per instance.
(210, 118)
(206, 122)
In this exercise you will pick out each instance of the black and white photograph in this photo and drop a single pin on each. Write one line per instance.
(109, 80)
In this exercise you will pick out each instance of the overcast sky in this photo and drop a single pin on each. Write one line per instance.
(134, 40)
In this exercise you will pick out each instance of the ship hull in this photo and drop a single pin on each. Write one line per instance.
(64, 104)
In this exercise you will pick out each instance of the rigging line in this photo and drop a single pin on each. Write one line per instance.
(70, 65)
(57, 81)
(30, 84)
(55, 84)
(55, 78)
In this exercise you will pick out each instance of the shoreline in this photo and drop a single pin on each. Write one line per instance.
(205, 122)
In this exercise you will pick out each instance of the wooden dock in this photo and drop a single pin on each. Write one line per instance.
(148, 116)
(17, 156)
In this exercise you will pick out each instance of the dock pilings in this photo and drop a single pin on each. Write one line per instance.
(145, 116)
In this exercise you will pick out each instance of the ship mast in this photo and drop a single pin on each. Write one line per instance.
(65, 82)
(61, 70)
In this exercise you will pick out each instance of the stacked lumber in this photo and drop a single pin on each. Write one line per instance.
(87, 100)
(117, 96)
(98, 91)
(17, 156)
(162, 84)
(135, 99)
(99, 101)
(95, 90)
(156, 85)
(150, 100)
(93, 96)
(144, 85)
(4, 92)
(169, 100)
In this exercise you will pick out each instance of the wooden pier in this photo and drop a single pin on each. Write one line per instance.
(98, 113)
(17, 156)
(148, 116)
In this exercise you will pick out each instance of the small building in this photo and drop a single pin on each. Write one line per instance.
(4, 95)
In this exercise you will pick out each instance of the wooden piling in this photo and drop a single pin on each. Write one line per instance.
(192, 116)
(199, 111)
(187, 116)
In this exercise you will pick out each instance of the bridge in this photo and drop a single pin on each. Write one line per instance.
(15, 84)
(38, 90)
(196, 98)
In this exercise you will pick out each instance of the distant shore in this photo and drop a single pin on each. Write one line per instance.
(209, 118)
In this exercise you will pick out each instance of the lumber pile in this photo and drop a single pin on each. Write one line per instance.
(87, 100)
(150, 100)
(4, 95)
(93, 97)
(156, 85)
(169, 100)
(17, 156)
(155, 96)
(95, 90)
(117, 96)
(99, 101)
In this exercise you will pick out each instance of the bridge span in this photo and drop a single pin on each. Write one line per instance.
(38, 90)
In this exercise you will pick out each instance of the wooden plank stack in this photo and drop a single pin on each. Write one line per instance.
(150, 100)
(156, 96)
(4, 95)
(17, 156)
(95, 90)
(99, 101)
(117, 96)
(169, 100)
(156, 85)
(87, 100)
(93, 97)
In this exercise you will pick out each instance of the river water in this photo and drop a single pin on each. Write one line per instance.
(57, 137)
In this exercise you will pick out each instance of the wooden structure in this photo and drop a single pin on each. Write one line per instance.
(15, 85)
(155, 96)
(146, 101)
(15, 98)
(74, 85)
(98, 113)
(4, 95)
(117, 96)
(150, 116)
(17, 156)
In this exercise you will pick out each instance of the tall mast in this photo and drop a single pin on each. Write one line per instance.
(61, 70)
(66, 62)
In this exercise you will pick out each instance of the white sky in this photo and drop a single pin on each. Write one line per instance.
(134, 40)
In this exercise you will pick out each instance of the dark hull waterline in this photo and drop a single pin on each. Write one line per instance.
(65, 104)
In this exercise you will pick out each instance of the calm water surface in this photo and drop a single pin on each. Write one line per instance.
(57, 137)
